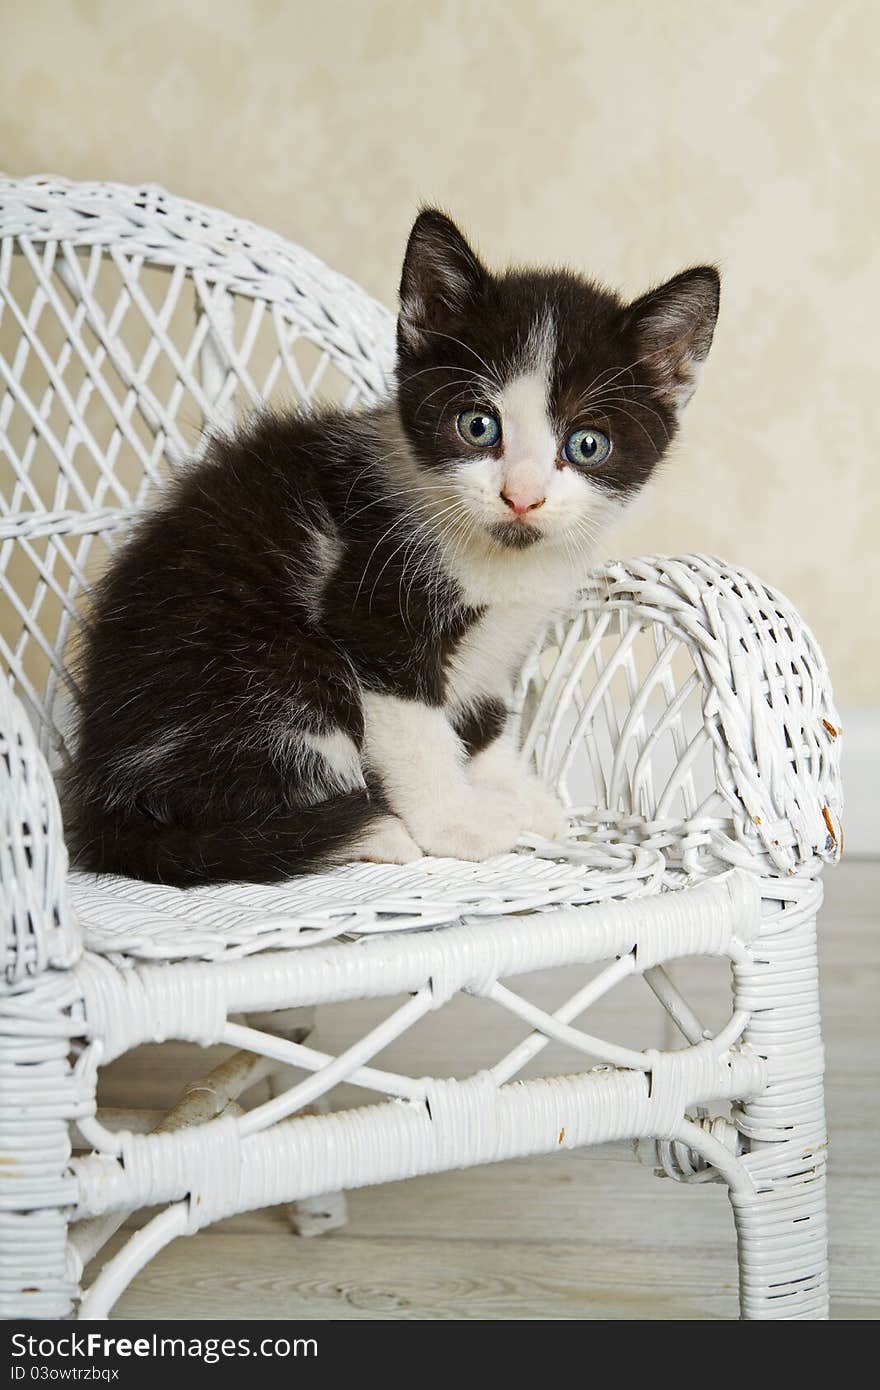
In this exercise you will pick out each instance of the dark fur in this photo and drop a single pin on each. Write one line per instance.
(206, 642)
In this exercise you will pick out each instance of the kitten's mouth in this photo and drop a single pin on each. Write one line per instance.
(514, 535)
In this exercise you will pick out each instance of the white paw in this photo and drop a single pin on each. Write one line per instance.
(536, 808)
(475, 824)
(544, 813)
(388, 842)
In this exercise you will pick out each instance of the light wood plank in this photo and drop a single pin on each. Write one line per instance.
(346, 1278)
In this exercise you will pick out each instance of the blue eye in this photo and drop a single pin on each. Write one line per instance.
(479, 428)
(587, 448)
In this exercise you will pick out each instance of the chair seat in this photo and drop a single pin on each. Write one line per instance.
(131, 920)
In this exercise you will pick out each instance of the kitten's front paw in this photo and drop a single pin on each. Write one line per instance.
(536, 808)
(477, 826)
(544, 813)
(388, 842)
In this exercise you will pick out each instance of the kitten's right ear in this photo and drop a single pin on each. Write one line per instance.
(441, 277)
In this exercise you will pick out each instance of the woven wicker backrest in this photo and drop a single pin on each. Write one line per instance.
(129, 320)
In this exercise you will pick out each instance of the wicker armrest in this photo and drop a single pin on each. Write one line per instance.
(755, 692)
(39, 931)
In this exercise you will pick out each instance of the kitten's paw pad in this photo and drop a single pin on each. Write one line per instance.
(476, 828)
(388, 842)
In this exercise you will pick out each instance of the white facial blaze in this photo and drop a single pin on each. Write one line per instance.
(529, 440)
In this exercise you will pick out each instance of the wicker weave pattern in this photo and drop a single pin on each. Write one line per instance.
(765, 714)
(99, 397)
(682, 709)
(148, 922)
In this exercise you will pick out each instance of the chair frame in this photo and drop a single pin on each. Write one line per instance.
(730, 680)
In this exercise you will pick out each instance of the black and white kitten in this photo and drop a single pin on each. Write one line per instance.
(305, 654)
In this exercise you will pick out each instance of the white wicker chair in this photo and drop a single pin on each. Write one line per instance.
(682, 703)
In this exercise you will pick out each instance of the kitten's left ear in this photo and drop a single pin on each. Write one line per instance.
(673, 327)
(441, 277)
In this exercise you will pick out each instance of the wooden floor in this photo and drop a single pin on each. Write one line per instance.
(568, 1236)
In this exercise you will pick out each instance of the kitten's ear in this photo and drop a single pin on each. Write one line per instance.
(442, 276)
(673, 327)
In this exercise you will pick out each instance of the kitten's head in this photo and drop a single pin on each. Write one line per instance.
(536, 402)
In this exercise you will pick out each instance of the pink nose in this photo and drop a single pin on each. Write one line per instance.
(521, 502)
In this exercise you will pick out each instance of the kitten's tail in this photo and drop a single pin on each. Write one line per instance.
(255, 851)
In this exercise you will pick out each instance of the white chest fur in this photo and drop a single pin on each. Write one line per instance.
(486, 660)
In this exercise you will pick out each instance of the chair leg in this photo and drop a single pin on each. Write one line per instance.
(39, 1094)
(312, 1216)
(782, 1226)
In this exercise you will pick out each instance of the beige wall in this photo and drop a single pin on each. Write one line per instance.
(627, 137)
